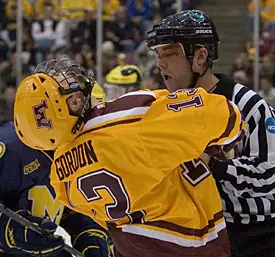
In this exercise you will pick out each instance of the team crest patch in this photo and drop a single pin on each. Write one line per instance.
(40, 115)
(2, 149)
(196, 16)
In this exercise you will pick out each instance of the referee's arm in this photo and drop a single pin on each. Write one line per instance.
(253, 173)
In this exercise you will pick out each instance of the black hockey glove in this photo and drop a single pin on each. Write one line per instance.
(18, 239)
(92, 243)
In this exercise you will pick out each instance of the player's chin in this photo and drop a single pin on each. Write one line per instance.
(173, 85)
(168, 85)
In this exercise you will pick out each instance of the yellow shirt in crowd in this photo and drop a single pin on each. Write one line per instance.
(267, 9)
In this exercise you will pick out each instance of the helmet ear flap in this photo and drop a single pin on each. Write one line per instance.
(213, 53)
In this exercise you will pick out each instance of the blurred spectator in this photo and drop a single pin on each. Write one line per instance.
(9, 30)
(109, 60)
(168, 7)
(73, 9)
(240, 76)
(84, 31)
(90, 59)
(31, 8)
(28, 9)
(110, 7)
(63, 51)
(80, 58)
(140, 12)
(123, 32)
(149, 82)
(121, 59)
(7, 101)
(108, 48)
(85, 49)
(48, 32)
(241, 63)
(267, 67)
(48, 56)
(267, 13)
(264, 43)
(4, 48)
(242, 69)
(267, 90)
(39, 6)
(145, 58)
(87, 53)
(8, 69)
(2, 9)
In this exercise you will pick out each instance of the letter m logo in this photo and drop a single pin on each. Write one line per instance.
(40, 115)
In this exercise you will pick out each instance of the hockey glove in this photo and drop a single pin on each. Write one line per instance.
(18, 239)
(92, 243)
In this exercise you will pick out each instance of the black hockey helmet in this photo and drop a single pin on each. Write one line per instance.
(190, 28)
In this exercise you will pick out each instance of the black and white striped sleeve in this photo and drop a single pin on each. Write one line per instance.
(253, 173)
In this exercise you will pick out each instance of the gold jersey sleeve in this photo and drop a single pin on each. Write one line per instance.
(179, 127)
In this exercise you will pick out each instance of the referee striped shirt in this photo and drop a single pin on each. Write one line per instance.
(247, 183)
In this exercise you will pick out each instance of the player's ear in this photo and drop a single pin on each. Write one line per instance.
(201, 56)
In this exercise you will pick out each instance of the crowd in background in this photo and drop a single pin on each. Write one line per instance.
(242, 69)
(53, 28)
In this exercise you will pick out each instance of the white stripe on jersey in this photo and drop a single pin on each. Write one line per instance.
(146, 232)
(115, 115)
(151, 93)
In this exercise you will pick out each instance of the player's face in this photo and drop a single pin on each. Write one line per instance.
(75, 103)
(174, 66)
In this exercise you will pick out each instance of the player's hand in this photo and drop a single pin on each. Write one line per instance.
(218, 152)
(18, 239)
(92, 243)
(225, 152)
(205, 157)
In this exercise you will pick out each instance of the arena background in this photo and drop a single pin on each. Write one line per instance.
(101, 34)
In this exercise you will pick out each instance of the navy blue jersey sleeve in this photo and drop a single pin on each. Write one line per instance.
(10, 162)
(21, 168)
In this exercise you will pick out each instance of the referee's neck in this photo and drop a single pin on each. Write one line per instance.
(208, 81)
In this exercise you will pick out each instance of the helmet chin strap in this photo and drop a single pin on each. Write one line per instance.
(83, 115)
(196, 75)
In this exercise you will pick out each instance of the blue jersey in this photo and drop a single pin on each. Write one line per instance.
(24, 177)
(25, 184)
